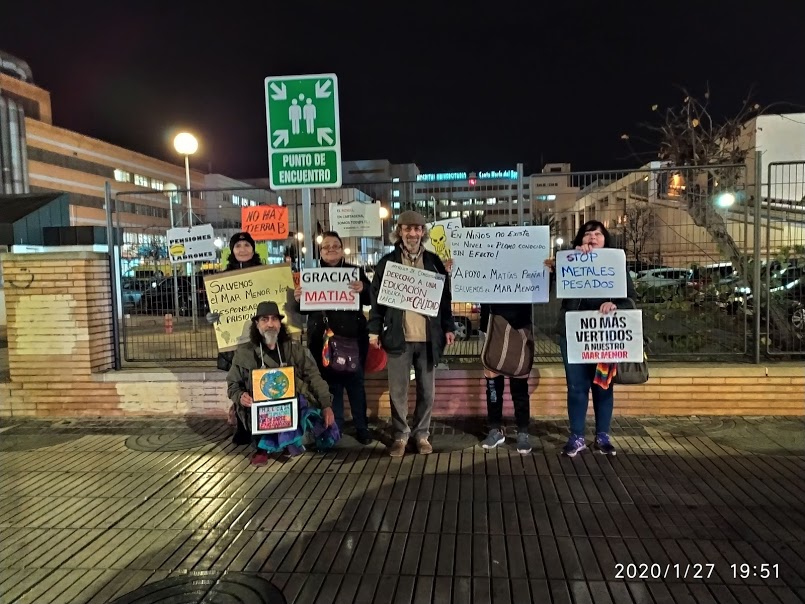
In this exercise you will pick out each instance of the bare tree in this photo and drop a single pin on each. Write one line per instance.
(639, 228)
(712, 153)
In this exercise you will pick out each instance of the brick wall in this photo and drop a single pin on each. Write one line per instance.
(60, 361)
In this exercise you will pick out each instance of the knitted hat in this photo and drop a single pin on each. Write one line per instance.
(243, 236)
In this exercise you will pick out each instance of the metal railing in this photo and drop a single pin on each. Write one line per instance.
(689, 284)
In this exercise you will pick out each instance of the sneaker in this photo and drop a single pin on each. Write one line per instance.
(398, 447)
(259, 458)
(575, 444)
(424, 447)
(523, 443)
(603, 444)
(363, 436)
(493, 439)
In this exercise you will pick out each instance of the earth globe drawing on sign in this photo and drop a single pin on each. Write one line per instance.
(274, 385)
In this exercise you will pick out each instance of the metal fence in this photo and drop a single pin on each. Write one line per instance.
(690, 240)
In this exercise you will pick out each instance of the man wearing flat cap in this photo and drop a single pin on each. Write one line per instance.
(269, 346)
(410, 338)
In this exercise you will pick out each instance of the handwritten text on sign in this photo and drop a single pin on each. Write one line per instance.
(234, 296)
(409, 288)
(355, 219)
(265, 222)
(501, 264)
(328, 289)
(598, 274)
(594, 337)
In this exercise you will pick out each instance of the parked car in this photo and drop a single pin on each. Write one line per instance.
(660, 283)
(159, 299)
(786, 285)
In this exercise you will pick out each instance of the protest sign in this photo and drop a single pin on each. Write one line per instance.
(440, 235)
(265, 223)
(270, 417)
(409, 288)
(598, 274)
(501, 264)
(594, 337)
(191, 244)
(273, 383)
(234, 296)
(355, 219)
(328, 289)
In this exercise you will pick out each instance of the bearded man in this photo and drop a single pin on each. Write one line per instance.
(411, 339)
(269, 346)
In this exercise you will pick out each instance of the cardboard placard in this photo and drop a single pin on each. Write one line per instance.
(270, 417)
(273, 383)
(265, 223)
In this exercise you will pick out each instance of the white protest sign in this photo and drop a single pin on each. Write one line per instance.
(594, 337)
(440, 236)
(191, 244)
(328, 289)
(501, 264)
(355, 219)
(598, 274)
(409, 288)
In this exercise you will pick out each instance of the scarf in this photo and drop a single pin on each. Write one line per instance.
(604, 372)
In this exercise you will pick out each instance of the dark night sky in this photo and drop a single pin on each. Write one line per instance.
(479, 86)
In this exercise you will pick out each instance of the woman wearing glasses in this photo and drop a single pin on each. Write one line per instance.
(347, 324)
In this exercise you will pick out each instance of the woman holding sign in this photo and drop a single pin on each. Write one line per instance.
(346, 327)
(581, 378)
(242, 254)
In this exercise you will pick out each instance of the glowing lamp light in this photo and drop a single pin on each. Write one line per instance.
(559, 241)
(725, 200)
(384, 213)
(185, 143)
(319, 239)
(347, 251)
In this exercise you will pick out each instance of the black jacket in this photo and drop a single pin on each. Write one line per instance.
(389, 323)
(517, 315)
(347, 323)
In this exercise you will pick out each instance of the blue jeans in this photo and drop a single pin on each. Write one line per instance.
(579, 378)
(354, 385)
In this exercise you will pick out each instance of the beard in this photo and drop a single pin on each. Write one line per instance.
(270, 336)
(412, 244)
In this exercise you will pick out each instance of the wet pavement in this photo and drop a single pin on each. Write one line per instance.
(170, 511)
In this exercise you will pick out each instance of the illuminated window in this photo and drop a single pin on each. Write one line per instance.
(141, 181)
(157, 184)
(396, 205)
(236, 200)
(395, 180)
(122, 176)
(395, 193)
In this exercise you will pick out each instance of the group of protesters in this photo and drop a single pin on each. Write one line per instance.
(402, 341)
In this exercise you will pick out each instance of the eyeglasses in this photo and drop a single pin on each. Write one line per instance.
(331, 248)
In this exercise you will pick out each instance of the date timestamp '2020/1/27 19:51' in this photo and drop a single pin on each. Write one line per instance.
(692, 571)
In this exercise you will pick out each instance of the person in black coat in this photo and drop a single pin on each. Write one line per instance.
(242, 255)
(348, 324)
(519, 317)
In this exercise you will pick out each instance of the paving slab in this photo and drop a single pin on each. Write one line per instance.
(696, 509)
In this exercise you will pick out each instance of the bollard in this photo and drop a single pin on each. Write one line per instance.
(168, 323)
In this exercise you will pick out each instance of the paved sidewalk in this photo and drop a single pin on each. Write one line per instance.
(170, 511)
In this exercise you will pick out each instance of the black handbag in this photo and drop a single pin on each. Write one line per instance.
(507, 351)
(632, 372)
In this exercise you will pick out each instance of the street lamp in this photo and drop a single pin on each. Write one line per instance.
(559, 241)
(725, 200)
(384, 213)
(186, 144)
